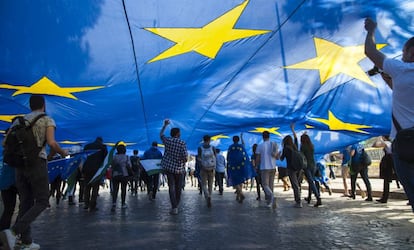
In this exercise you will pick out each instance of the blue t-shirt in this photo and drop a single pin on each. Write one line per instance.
(358, 151)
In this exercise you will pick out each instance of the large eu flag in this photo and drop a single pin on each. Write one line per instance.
(117, 68)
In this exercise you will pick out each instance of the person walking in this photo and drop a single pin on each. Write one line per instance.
(206, 155)
(359, 167)
(266, 155)
(294, 175)
(136, 170)
(220, 170)
(308, 150)
(173, 163)
(153, 180)
(401, 73)
(121, 166)
(32, 182)
(239, 167)
(387, 172)
(90, 167)
(346, 157)
(256, 168)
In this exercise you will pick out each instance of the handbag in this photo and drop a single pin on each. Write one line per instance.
(403, 143)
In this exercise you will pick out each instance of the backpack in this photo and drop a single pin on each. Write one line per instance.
(298, 160)
(135, 163)
(20, 147)
(360, 161)
(208, 159)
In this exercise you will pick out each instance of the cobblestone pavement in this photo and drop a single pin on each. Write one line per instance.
(340, 223)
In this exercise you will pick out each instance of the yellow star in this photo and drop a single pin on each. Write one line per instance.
(8, 118)
(270, 130)
(120, 143)
(220, 136)
(336, 124)
(333, 59)
(47, 87)
(206, 40)
(72, 142)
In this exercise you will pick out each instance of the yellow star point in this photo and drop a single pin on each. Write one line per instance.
(72, 142)
(272, 130)
(111, 144)
(335, 124)
(332, 59)
(220, 136)
(206, 40)
(8, 118)
(47, 87)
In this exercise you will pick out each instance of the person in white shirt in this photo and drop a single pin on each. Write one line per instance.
(266, 156)
(402, 85)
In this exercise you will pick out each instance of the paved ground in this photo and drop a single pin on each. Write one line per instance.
(339, 224)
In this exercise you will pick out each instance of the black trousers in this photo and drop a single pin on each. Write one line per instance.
(8, 197)
(364, 175)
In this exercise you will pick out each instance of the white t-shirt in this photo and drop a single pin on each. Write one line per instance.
(402, 75)
(266, 160)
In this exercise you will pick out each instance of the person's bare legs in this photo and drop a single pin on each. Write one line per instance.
(344, 173)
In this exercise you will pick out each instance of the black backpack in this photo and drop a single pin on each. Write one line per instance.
(20, 147)
(299, 161)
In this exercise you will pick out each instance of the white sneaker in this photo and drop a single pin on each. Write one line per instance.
(274, 205)
(8, 238)
(270, 204)
(34, 246)
(124, 206)
(174, 211)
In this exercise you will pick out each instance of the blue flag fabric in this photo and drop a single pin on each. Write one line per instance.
(239, 167)
(64, 167)
(211, 67)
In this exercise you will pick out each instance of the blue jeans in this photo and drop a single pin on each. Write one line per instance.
(311, 182)
(405, 173)
(294, 176)
(175, 184)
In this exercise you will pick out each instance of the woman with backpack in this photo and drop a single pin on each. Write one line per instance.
(120, 165)
(307, 148)
(207, 159)
(293, 171)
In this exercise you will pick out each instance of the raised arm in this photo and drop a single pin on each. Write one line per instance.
(371, 50)
(166, 122)
(292, 127)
